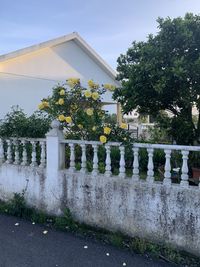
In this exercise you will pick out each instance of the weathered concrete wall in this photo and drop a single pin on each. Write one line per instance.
(16, 179)
(164, 214)
(167, 214)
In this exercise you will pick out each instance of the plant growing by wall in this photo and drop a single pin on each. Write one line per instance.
(17, 124)
(80, 112)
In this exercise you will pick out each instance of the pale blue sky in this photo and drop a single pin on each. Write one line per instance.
(109, 26)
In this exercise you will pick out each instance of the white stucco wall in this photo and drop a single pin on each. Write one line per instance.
(164, 214)
(27, 79)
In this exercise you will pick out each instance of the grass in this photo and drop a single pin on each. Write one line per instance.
(17, 207)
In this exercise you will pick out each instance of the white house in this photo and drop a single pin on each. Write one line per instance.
(28, 75)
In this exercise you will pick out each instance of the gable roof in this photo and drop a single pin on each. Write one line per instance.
(69, 37)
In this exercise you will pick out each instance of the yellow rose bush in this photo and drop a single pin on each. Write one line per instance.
(80, 113)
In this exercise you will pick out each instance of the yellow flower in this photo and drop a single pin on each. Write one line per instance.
(41, 105)
(109, 86)
(124, 126)
(73, 81)
(90, 111)
(80, 126)
(62, 92)
(68, 119)
(46, 104)
(92, 85)
(61, 117)
(106, 130)
(94, 128)
(61, 101)
(103, 139)
(87, 94)
(95, 95)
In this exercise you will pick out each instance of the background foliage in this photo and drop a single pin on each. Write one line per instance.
(17, 124)
(163, 73)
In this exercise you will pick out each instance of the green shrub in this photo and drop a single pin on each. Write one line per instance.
(17, 124)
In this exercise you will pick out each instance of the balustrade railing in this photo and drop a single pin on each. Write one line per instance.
(136, 148)
(32, 152)
(93, 153)
(23, 151)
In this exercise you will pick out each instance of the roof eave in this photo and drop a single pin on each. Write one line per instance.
(72, 36)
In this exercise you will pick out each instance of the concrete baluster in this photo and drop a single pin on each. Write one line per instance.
(135, 164)
(83, 158)
(167, 174)
(17, 160)
(24, 154)
(95, 160)
(9, 151)
(33, 154)
(43, 154)
(108, 161)
(2, 159)
(72, 158)
(150, 172)
(184, 171)
(122, 170)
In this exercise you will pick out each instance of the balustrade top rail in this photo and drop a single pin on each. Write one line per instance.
(84, 142)
(137, 145)
(167, 147)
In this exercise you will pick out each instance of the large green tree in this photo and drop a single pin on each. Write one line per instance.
(163, 73)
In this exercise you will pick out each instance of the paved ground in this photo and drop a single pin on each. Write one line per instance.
(24, 244)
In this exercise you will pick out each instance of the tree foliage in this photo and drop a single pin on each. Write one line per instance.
(163, 73)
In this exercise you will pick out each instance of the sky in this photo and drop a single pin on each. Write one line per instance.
(109, 26)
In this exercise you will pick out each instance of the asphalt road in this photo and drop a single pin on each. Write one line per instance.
(23, 244)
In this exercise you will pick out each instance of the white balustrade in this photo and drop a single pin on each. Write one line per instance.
(108, 161)
(13, 147)
(136, 146)
(122, 170)
(184, 170)
(95, 160)
(16, 151)
(83, 158)
(9, 151)
(150, 167)
(135, 164)
(167, 174)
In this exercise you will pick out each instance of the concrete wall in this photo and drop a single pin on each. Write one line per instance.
(152, 211)
(15, 179)
(25, 80)
(160, 211)
(166, 214)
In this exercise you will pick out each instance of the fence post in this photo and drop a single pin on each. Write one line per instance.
(55, 161)
(55, 150)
